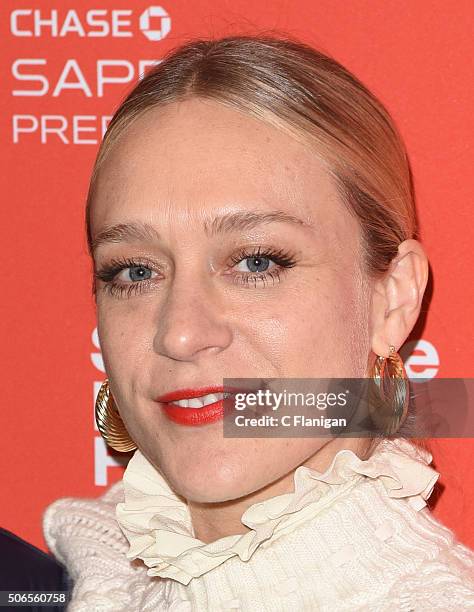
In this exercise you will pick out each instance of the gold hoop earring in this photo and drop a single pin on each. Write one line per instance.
(390, 378)
(109, 422)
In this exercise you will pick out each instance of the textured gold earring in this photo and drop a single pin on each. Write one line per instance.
(392, 383)
(109, 422)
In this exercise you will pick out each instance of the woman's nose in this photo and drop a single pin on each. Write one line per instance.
(191, 321)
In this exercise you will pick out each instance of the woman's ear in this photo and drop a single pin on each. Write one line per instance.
(397, 297)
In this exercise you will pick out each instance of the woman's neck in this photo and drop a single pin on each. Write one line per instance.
(212, 521)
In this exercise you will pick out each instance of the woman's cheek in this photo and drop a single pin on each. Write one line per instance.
(120, 335)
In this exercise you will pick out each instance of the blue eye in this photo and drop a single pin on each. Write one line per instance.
(126, 277)
(261, 266)
(136, 273)
(255, 263)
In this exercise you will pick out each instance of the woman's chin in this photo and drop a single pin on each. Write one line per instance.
(203, 484)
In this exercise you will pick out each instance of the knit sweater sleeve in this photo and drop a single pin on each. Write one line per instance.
(444, 581)
(84, 535)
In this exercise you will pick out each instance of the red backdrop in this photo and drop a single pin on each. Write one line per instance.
(65, 67)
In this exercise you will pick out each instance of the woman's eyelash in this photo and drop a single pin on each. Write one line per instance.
(279, 256)
(108, 272)
(283, 260)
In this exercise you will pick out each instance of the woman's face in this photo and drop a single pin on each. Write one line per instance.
(184, 304)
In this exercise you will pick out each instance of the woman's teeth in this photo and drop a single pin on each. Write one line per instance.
(200, 402)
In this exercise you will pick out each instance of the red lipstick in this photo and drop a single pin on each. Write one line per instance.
(192, 416)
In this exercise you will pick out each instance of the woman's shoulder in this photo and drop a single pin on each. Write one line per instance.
(84, 535)
(435, 570)
(90, 519)
(442, 581)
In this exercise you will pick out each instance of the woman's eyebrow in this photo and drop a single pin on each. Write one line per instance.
(135, 231)
(248, 219)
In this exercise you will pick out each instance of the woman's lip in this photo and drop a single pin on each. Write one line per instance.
(174, 396)
(194, 416)
(211, 413)
(180, 394)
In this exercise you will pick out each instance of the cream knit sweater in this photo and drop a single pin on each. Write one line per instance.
(357, 537)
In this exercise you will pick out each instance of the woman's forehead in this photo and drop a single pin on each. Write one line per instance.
(204, 154)
(206, 136)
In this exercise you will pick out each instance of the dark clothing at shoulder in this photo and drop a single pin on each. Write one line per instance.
(23, 567)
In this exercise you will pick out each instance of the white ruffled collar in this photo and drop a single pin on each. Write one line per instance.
(158, 526)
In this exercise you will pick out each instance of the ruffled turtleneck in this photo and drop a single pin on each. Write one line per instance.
(158, 526)
(357, 537)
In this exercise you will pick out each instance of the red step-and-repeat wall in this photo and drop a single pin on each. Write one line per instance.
(65, 67)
